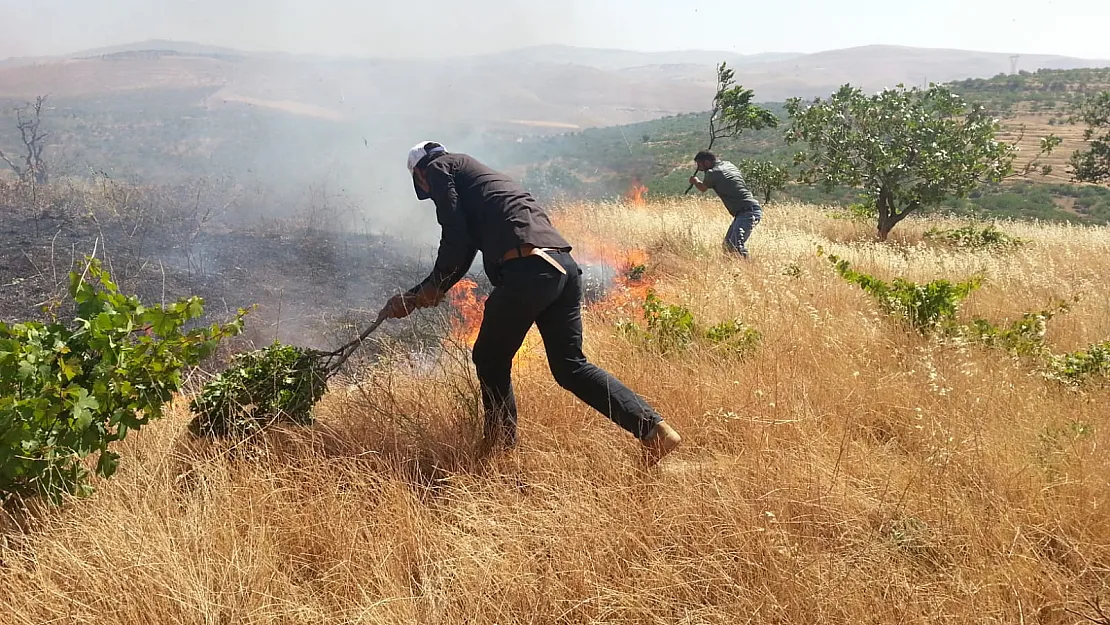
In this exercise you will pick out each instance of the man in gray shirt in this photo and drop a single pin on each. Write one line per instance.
(728, 183)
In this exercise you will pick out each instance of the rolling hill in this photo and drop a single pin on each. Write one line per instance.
(602, 162)
(163, 111)
(557, 84)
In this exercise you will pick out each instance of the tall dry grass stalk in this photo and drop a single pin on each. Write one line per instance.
(849, 471)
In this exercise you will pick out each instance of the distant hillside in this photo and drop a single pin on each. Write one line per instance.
(1036, 104)
(1042, 91)
(167, 110)
(614, 60)
(599, 162)
(180, 47)
(607, 161)
(548, 85)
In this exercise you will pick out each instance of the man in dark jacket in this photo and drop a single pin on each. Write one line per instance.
(728, 183)
(535, 279)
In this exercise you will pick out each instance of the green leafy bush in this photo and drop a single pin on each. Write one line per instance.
(671, 328)
(733, 336)
(261, 387)
(932, 307)
(858, 211)
(926, 307)
(971, 237)
(764, 177)
(1077, 366)
(70, 390)
(1024, 337)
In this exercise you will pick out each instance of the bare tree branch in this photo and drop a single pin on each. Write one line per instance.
(14, 167)
(1096, 606)
(29, 123)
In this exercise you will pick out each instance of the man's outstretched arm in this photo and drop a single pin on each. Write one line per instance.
(455, 256)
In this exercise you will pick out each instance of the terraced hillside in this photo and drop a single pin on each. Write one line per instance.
(1036, 104)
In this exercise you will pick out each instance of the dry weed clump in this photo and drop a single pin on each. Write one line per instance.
(847, 471)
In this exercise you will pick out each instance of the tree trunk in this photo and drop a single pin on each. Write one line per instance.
(889, 215)
(886, 224)
(885, 210)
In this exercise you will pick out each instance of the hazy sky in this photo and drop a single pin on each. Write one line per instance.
(449, 27)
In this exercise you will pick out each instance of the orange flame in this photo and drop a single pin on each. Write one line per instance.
(631, 282)
(636, 194)
(631, 275)
(464, 329)
(630, 287)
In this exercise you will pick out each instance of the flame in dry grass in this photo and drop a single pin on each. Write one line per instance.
(631, 281)
(636, 194)
(464, 329)
(629, 288)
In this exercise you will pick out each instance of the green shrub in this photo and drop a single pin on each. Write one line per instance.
(932, 307)
(1024, 337)
(671, 328)
(68, 391)
(733, 336)
(279, 383)
(926, 307)
(864, 211)
(971, 237)
(1076, 367)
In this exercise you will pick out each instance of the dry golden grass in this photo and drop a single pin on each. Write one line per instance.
(848, 472)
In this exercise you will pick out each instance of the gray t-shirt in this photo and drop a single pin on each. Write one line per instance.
(727, 181)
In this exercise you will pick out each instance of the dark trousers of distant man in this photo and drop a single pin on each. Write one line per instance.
(736, 239)
(533, 291)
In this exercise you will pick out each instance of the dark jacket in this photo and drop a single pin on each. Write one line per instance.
(480, 209)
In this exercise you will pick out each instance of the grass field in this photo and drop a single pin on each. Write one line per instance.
(848, 471)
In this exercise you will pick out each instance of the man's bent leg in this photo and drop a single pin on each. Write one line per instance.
(504, 326)
(732, 237)
(529, 285)
(560, 326)
(748, 227)
(739, 231)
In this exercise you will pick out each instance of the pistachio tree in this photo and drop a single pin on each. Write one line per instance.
(1093, 164)
(906, 149)
(764, 177)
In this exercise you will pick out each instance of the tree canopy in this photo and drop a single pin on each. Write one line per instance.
(1093, 164)
(907, 149)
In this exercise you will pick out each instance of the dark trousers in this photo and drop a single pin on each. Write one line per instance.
(532, 291)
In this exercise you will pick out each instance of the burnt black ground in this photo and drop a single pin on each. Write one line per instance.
(307, 287)
(301, 282)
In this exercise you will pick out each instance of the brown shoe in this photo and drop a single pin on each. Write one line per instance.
(661, 441)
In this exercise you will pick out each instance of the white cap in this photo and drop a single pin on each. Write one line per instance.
(417, 154)
(422, 149)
